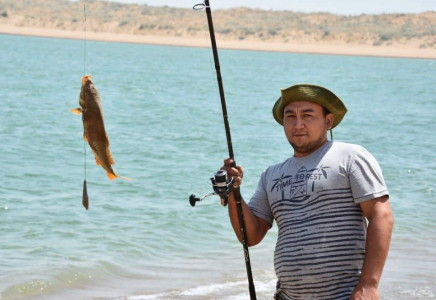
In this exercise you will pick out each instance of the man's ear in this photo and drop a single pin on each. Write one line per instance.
(329, 119)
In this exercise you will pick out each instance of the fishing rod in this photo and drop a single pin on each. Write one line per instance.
(220, 183)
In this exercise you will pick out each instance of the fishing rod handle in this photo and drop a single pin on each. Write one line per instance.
(238, 200)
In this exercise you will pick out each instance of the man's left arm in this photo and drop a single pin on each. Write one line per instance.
(380, 224)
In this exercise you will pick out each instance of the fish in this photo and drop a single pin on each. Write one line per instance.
(93, 126)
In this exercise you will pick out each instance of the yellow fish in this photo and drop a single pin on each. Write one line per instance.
(93, 125)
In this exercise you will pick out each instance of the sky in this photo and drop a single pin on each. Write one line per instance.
(344, 7)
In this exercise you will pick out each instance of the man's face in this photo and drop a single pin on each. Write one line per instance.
(306, 126)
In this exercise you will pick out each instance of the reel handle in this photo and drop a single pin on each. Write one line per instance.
(193, 199)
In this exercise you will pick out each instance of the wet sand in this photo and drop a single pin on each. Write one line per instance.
(294, 47)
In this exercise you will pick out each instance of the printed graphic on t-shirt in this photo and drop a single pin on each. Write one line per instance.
(300, 182)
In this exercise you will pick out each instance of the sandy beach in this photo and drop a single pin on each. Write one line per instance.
(294, 47)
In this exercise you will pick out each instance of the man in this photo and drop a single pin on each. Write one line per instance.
(321, 199)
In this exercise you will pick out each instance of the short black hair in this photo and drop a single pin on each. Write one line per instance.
(325, 111)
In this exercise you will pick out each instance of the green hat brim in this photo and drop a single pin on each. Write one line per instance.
(312, 93)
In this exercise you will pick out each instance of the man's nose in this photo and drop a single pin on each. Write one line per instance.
(299, 122)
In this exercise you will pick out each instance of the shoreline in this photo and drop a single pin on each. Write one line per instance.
(306, 48)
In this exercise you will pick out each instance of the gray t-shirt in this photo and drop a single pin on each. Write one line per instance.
(322, 231)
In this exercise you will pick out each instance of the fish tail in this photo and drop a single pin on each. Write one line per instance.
(112, 176)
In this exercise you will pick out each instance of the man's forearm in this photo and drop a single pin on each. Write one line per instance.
(255, 232)
(377, 246)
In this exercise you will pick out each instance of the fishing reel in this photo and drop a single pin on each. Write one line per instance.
(221, 187)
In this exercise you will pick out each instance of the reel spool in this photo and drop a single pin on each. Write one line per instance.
(221, 187)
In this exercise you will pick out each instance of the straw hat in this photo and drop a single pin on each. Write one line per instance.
(312, 93)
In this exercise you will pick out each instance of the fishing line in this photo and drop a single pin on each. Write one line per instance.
(85, 199)
(85, 39)
(84, 68)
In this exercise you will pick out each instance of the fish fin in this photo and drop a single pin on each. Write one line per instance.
(96, 160)
(76, 111)
(111, 176)
(109, 156)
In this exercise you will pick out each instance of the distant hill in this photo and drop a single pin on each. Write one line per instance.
(413, 30)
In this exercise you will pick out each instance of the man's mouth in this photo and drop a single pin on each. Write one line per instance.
(299, 134)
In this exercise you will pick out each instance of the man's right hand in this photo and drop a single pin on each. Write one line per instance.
(256, 227)
(237, 173)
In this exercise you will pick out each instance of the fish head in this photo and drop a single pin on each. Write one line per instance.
(86, 79)
(89, 95)
(82, 100)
